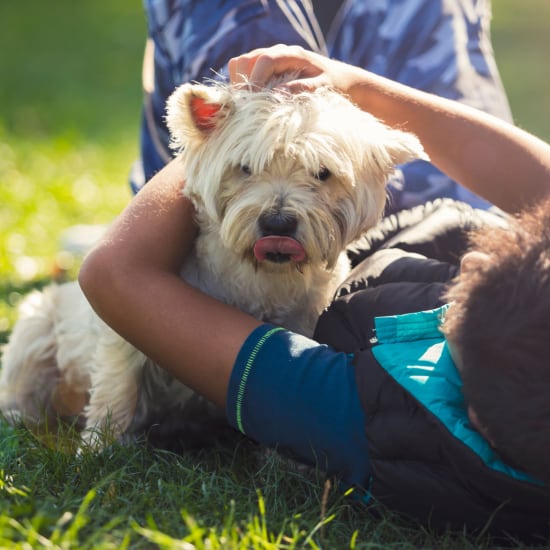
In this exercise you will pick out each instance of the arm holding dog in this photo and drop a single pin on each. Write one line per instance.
(132, 280)
(500, 162)
(281, 388)
(170, 324)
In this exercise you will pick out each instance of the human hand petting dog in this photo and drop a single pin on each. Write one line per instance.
(498, 161)
(260, 66)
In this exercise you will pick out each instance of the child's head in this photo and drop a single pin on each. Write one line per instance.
(499, 326)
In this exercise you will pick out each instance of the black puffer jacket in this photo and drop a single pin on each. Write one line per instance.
(403, 266)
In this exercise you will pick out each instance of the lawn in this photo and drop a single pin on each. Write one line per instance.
(70, 107)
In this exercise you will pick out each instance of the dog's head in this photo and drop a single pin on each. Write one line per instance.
(285, 179)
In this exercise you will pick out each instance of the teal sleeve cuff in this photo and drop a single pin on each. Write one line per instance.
(291, 393)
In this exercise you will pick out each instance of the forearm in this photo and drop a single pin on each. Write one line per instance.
(492, 158)
(132, 281)
(496, 160)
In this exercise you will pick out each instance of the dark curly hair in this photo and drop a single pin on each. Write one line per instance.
(499, 321)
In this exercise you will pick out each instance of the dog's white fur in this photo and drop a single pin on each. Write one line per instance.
(247, 156)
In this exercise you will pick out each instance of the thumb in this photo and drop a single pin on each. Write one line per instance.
(304, 84)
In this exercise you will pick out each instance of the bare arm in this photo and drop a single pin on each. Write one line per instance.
(496, 160)
(132, 277)
(132, 280)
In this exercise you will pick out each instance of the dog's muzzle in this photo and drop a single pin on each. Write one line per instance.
(277, 243)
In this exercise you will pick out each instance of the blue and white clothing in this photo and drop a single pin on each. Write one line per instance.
(440, 46)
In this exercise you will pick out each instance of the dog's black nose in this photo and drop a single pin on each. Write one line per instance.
(278, 224)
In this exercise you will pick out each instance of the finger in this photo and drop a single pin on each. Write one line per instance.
(305, 85)
(280, 60)
(260, 66)
(240, 67)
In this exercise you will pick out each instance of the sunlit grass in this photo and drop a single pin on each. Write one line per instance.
(70, 109)
(69, 113)
(50, 188)
(55, 186)
(223, 498)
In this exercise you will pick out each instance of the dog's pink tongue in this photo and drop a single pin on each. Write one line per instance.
(274, 246)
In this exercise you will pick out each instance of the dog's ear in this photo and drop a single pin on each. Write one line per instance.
(404, 147)
(203, 114)
(194, 111)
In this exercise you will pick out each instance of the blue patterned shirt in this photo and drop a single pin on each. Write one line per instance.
(440, 46)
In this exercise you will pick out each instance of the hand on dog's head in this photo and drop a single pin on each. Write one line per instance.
(312, 157)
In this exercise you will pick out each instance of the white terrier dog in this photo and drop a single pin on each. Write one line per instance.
(282, 184)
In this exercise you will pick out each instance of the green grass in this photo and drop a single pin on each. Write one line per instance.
(70, 106)
(227, 498)
(521, 43)
(69, 113)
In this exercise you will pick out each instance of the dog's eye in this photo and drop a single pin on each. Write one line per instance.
(245, 169)
(323, 174)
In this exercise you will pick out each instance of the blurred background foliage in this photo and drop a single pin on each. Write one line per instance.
(70, 99)
(521, 41)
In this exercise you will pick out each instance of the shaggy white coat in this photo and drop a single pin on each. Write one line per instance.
(313, 157)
